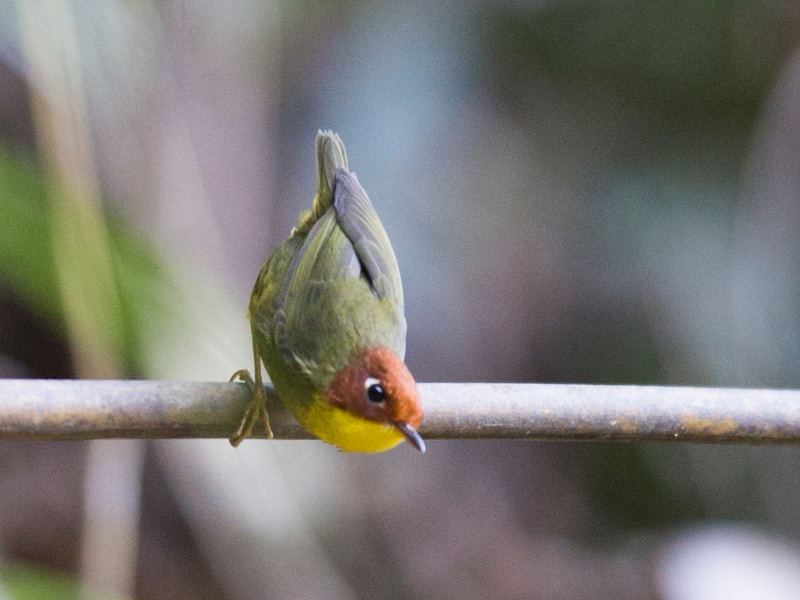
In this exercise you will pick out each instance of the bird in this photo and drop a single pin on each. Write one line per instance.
(327, 320)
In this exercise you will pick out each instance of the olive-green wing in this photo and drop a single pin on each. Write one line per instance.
(342, 287)
(307, 327)
(361, 225)
(302, 269)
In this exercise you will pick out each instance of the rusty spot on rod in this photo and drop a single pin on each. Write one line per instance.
(698, 426)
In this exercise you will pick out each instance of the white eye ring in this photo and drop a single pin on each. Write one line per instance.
(375, 392)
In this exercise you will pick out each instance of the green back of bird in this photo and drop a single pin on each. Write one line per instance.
(332, 289)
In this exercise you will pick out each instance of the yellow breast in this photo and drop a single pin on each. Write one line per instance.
(347, 431)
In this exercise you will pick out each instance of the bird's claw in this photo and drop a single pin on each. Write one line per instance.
(257, 410)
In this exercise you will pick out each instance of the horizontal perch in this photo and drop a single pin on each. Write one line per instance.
(85, 409)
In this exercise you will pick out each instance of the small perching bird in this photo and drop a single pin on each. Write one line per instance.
(327, 319)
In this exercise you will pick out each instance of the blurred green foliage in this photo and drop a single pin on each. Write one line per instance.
(26, 255)
(19, 582)
(630, 494)
(27, 264)
(704, 62)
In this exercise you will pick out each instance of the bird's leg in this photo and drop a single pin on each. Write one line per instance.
(257, 410)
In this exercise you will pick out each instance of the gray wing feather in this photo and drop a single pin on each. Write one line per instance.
(361, 225)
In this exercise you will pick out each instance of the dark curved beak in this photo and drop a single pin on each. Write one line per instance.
(412, 437)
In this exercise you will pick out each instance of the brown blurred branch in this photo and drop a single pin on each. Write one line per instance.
(86, 409)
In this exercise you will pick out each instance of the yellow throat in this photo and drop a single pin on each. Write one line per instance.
(347, 431)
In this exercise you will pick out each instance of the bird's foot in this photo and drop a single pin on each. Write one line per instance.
(256, 410)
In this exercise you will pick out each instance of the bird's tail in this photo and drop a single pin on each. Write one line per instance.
(331, 155)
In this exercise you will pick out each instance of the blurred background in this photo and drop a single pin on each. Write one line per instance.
(598, 192)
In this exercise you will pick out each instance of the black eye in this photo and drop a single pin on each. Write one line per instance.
(376, 393)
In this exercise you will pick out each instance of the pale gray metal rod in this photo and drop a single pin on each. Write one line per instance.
(59, 409)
